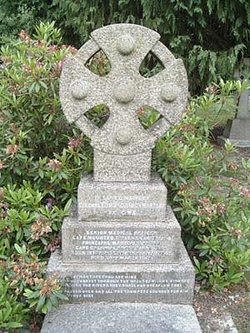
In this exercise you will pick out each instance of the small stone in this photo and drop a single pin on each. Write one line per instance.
(197, 288)
(125, 44)
(79, 89)
(169, 92)
(124, 92)
(123, 137)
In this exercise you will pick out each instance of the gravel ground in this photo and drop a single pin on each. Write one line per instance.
(211, 308)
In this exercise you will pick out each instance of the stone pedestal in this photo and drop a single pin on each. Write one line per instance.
(124, 246)
(121, 201)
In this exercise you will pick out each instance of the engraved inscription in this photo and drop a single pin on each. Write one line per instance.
(90, 285)
(121, 245)
(125, 201)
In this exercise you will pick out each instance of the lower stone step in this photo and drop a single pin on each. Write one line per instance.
(122, 318)
(167, 283)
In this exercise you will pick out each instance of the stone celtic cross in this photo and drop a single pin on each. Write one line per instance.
(121, 243)
(122, 147)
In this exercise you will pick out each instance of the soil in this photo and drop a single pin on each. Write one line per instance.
(210, 307)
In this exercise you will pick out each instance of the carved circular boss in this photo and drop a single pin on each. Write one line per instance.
(124, 90)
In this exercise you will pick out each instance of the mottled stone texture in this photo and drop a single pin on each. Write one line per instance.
(122, 243)
(122, 201)
(125, 168)
(122, 318)
(122, 147)
(170, 283)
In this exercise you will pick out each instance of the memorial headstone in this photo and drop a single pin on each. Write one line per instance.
(238, 130)
(122, 243)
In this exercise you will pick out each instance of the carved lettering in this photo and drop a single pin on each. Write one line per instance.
(122, 244)
(90, 285)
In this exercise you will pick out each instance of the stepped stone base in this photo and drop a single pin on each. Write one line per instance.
(122, 318)
(167, 283)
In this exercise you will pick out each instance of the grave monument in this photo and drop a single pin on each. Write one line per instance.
(122, 258)
(238, 130)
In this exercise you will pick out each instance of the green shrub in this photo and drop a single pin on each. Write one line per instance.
(28, 234)
(20, 14)
(41, 159)
(29, 99)
(36, 141)
(12, 312)
(211, 197)
(219, 103)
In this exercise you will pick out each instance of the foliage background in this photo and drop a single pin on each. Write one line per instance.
(211, 36)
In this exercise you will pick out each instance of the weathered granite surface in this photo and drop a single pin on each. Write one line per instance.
(169, 282)
(122, 201)
(122, 147)
(110, 168)
(240, 132)
(121, 242)
(123, 318)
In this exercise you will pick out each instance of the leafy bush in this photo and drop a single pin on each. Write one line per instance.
(12, 312)
(28, 234)
(20, 14)
(29, 85)
(37, 144)
(219, 103)
(211, 197)
(41, 159)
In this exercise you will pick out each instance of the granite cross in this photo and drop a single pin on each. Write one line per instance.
(122, 147)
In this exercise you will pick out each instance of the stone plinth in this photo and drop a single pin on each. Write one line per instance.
(122, 201)
(167, 283)
(121, 242)
(123, 318)
(107, 259)
(119, 246)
